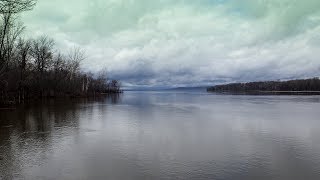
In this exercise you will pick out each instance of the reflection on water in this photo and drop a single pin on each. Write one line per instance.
(163, 135)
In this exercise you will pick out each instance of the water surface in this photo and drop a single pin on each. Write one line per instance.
(163, 135)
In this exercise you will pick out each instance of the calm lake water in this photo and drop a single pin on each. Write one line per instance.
(164, 135)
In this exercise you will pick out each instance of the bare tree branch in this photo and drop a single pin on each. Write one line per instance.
(16, 6)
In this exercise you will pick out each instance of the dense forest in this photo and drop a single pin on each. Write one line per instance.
(33, 68)
(272, 86)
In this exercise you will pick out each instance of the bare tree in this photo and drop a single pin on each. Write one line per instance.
(8, 31)
(60, 70)
(75, 56)
(42, 52)
(58, 63)
(23, 53)
(16, 6)
(115, 86)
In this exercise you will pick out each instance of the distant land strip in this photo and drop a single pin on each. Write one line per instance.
(298, 86)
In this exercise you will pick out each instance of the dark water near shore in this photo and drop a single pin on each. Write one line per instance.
(164, 135)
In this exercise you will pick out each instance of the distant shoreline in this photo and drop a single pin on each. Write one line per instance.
(293, 87)
(268, 92)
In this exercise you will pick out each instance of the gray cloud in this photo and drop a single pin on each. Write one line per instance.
(184, 42)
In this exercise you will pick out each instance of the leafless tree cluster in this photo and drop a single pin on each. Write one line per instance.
(32, 68)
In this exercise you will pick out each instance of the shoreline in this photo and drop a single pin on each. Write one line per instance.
(13, 104)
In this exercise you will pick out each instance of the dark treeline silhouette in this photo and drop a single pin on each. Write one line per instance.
(272, 86)
(32, 68)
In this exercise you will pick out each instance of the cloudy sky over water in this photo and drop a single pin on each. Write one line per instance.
(186, 42)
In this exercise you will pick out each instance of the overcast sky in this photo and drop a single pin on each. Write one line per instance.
(186, 42)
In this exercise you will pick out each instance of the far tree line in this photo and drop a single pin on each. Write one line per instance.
(292, 85)
(32, 68)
